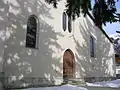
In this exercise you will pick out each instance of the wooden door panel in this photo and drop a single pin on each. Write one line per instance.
(68, 65)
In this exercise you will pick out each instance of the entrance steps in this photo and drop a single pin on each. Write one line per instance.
(78, 82)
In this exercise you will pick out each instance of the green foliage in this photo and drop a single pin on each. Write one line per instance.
(103, 10)
(74, 7)
(54, 2)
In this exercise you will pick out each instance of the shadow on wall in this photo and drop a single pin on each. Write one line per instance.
(23, 66)
(3, 24)
(100, 65)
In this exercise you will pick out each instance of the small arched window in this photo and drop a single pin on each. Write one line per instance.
(64, 23)
(32, 31)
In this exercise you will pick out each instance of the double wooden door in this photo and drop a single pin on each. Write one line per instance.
(68, 64)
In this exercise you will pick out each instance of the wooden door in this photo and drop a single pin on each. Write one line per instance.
(68, 64)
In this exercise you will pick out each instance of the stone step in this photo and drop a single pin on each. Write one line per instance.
(77, 82)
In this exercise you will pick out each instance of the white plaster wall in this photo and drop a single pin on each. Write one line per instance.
(43, 62)
(103, 65)
(3, 25)
(46, 61)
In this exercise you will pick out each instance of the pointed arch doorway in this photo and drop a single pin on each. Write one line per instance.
(68, 64)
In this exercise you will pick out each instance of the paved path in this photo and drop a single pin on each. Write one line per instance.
(89, 88)
(101, 88)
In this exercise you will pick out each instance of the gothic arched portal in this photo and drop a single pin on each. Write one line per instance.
(68, 64)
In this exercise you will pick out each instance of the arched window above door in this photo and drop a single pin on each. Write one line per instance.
(64, 21)
(69, 24)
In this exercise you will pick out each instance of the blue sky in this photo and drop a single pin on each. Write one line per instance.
(111, 29)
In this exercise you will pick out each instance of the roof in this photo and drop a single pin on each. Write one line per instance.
(99, 27)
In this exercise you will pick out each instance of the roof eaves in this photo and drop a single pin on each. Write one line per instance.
(99, 27)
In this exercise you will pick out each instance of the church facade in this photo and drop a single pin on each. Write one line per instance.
(41, 45)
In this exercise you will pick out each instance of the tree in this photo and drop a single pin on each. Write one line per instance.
(103, 10)
(116, 42)
(117, 46)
